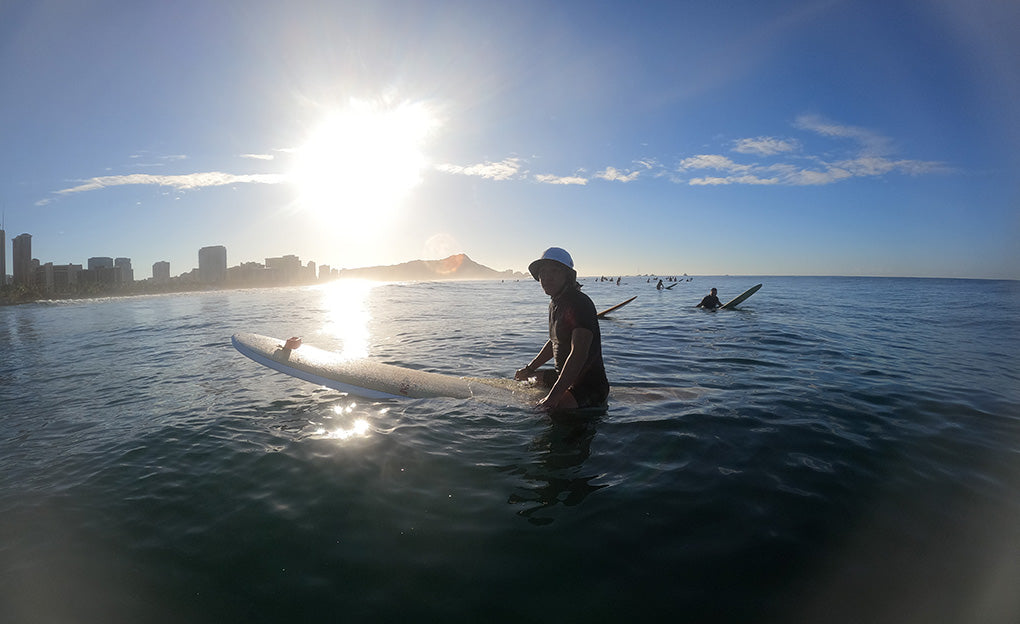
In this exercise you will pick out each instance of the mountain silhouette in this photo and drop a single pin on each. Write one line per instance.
(455, 267)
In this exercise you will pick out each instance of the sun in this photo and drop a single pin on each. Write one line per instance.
(358, 164)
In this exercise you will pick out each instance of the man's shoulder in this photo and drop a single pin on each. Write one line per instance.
(579, 295)
(576, 298)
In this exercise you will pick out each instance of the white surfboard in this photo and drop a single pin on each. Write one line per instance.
(374, 380)
(369, 379)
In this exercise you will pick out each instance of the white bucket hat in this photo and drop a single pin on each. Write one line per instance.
(553, 254)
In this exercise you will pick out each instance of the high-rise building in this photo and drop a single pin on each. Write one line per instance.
(100, 262)
(212, 264)
(3, 258)
(21, 255)
(284, 269)
(127, 274)
(161, 272)
(57, 278)
(65, 277)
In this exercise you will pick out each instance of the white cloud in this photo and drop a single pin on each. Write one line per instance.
(615, 175)
(711, 161)
(876, 166)
(865, 156)
(170, 157)
(506, 169)
(921, 167)
(546, 178)
(865, 159)
(744, 179)
(811, 177)
(870, 141)
(709, 181)
(764, 146)
(182, 182)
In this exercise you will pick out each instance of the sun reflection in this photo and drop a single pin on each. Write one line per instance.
(347, 315)
(358, 428)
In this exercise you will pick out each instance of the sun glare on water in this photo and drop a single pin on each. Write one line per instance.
(347, 315)
(358, 429)
(358, 164)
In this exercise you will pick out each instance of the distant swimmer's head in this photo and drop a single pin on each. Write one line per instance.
(554, 256)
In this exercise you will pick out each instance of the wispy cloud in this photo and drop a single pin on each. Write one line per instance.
(506, 169)
(869, 141)
(744, 179)
(168, 157)
(514, 168)
(711, 161)
(827, 173)
(547, 178)
(764, 146)
(613, 174)
(784, 162)
(180, 182)
(145, 160)
(866, 157)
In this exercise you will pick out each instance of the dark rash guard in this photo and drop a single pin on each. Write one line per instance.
(568, 311)
(710, 301)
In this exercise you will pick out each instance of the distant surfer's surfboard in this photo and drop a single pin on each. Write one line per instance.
(740, 298)
(615, 307)
(366, 378)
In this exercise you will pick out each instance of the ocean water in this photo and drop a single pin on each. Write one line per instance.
(837, 450)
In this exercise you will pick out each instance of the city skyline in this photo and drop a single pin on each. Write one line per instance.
(94, 262)
(105, 275)
(164, 265)
(798, 137)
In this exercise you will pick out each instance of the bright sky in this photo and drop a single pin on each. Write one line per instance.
(790, 137)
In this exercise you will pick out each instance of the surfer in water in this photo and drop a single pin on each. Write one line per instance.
(711, 301)
(575, 342)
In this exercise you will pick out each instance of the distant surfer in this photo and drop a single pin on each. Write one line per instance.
(575, 342)
(659, 286)
(711, 301)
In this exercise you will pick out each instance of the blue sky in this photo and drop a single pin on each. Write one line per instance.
(756, 138)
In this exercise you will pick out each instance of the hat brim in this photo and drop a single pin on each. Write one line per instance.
(535, 267)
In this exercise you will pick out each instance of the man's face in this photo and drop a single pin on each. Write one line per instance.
(553, 277)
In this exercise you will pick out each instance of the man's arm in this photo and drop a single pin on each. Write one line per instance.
(540, 359)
